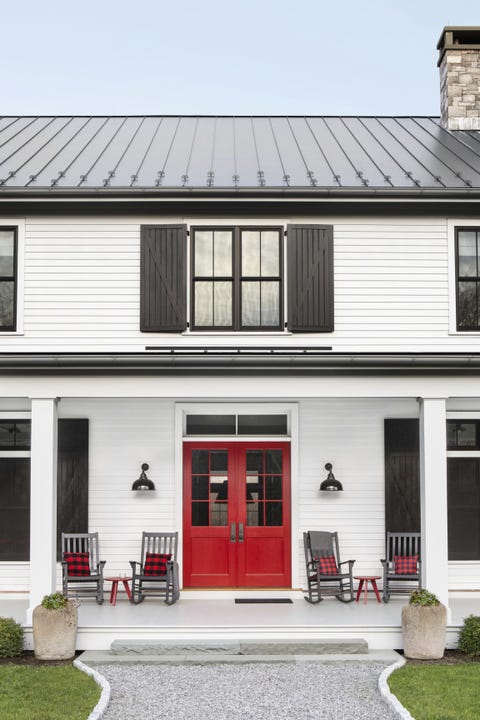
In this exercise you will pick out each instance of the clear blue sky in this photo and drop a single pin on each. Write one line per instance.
(222, 56)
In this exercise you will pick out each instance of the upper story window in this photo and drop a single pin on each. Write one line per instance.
(467, 249)
(236, 279)
(8, 278)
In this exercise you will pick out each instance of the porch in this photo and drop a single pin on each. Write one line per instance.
(215, 616)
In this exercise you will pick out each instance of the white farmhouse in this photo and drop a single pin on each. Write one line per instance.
(238, 301)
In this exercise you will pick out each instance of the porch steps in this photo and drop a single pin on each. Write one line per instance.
(135, 652)
(345, 646)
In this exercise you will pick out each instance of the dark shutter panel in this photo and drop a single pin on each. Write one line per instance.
(310, 278)
(163, 278)
(72, 478)
(402, 476)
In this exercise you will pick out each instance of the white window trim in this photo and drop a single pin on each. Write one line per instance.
(452, 225)
(19, 223)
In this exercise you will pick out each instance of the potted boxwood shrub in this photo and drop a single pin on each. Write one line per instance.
(55, 628)
(424, 626)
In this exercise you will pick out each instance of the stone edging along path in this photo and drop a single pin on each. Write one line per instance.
(100, 708)
(388, 696)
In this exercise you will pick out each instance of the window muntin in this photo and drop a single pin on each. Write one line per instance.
(467, 248)
(237, 279)
(8, 269)
(463, 435)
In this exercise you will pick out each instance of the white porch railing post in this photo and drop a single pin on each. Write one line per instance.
(43, 500)
(433, 496)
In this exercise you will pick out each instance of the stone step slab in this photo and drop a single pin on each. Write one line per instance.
(345, 646)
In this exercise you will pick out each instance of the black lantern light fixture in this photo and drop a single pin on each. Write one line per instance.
(330, 484)
(143, 482)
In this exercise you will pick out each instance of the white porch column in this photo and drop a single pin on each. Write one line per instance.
(43, 500)
(433, 496)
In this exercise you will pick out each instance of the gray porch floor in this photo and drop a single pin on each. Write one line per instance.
(215, 618)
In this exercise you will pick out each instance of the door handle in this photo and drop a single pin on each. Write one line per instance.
(240, 533)
(233, 532)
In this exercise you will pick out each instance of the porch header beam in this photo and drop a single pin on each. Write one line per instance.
(232, 361)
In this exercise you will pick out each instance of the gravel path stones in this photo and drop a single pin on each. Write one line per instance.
(307, 691)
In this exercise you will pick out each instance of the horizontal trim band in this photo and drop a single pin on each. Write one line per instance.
(232, 361)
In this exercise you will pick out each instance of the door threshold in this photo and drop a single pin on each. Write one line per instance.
(241, 593)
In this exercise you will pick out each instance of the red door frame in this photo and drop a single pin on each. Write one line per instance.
(215, 556)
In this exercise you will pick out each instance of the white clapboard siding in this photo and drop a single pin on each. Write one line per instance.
(82, 290)
(464, 575)
(14, 576)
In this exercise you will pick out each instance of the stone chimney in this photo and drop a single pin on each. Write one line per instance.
(459, 63)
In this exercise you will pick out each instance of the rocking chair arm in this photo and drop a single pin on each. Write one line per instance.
(136, 567)
(345, 562)
(100, 567)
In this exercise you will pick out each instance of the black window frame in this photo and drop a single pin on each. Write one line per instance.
(237, 278)
(12, 278)
(473, 279)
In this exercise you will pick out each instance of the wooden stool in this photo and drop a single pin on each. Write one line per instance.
(364, 580)
(113, 593)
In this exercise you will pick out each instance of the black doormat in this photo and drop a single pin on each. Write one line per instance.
(276, 601)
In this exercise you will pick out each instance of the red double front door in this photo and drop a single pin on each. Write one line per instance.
(236, 522)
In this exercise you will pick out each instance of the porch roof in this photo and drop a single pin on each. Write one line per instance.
(232, 360)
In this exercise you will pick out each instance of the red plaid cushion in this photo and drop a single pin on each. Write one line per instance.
(156, 563)
(327, 565)
(78, 563)
(405, 564)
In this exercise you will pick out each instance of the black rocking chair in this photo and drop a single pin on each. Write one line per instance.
(82, 570)
(156, 575)
(325, 575)
(405, 547)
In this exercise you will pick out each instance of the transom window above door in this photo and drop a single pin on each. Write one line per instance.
(237, 281)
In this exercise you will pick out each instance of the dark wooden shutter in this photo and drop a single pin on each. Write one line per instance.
(402, 476)
(72, 478)
(310, 278)
(163, 278)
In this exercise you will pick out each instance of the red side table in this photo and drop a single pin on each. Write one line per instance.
(363, 585)
(115, 580)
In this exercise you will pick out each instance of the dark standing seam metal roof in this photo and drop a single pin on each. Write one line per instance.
(177, 153)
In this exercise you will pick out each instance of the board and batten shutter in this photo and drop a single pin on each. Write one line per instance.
(163, 278)
(402, 475)
(310, 278)
(72, 478)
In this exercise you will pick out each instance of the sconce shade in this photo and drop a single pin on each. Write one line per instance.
(143, 482)
(330, 484)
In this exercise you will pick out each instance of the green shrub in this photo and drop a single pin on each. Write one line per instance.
(423, 598)
(55, 601)
(11, 638)
(469, 637)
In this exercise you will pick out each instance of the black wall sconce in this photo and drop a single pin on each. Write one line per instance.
(330, 484)
(143, 482)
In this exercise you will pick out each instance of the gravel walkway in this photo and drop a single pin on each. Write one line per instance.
(309, 691)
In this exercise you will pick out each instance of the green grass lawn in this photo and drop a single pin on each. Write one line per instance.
(439, 692)
(46, 693)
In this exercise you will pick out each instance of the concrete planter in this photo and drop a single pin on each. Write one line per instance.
(424, 631)
(55, 632)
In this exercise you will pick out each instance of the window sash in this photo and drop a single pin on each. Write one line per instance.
(270, 287)
(8, 284)
(467, 280)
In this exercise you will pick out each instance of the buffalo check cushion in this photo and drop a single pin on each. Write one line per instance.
(405, 564)
(327, 565)
(156, 564)
(78, 564)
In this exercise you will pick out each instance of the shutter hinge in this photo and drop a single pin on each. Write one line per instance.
(285, 233)
(188, 233)
(188, 324)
